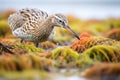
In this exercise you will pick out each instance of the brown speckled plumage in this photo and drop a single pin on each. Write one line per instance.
(35, 25)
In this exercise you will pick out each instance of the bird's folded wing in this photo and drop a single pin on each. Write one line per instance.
(27, 17)
(33, 15)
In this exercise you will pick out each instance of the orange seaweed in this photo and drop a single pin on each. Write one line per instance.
(88, 41)
(78, 44)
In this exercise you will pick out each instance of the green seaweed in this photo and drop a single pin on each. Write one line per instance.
(66, 52)
(64, 55)
(100, 53)
(41, 63)
(103, 53)
(24, 62)
(26, 75)
(29, 48)
(4, 29)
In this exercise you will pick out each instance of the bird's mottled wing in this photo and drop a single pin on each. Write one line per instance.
(31, 18)
(33, 15)
(15, 21)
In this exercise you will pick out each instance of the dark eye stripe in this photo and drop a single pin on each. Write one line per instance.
(63, 23)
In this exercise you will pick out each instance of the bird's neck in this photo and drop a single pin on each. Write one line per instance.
(47, 25)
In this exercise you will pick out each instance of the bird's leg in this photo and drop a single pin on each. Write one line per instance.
(36, 44)
(21, 41)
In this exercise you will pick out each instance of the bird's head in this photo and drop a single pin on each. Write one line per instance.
(61, 21)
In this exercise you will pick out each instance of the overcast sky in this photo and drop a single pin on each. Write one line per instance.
(82, 8)
(17, 3)
(61, 1)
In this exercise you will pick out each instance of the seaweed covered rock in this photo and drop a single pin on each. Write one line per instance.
(28, 75)
(28, 48)
(24, 62)
(99, 53)
(103, 71)
(88, 41)
(103, 53)
(64, 55)
(41, 63)
(19, 48)
(5, 48)
(113, 34)
(47, 45)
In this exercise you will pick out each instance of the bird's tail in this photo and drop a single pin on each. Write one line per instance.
(15, 21)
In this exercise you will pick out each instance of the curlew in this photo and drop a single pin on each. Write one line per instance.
(36, 25)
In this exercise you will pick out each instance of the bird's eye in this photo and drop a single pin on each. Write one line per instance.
(60, 21)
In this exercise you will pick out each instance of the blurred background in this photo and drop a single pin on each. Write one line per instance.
(84, 9)
(94, 16)
(95, 21)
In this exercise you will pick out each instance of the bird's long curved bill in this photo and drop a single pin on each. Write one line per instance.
(69, 29)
